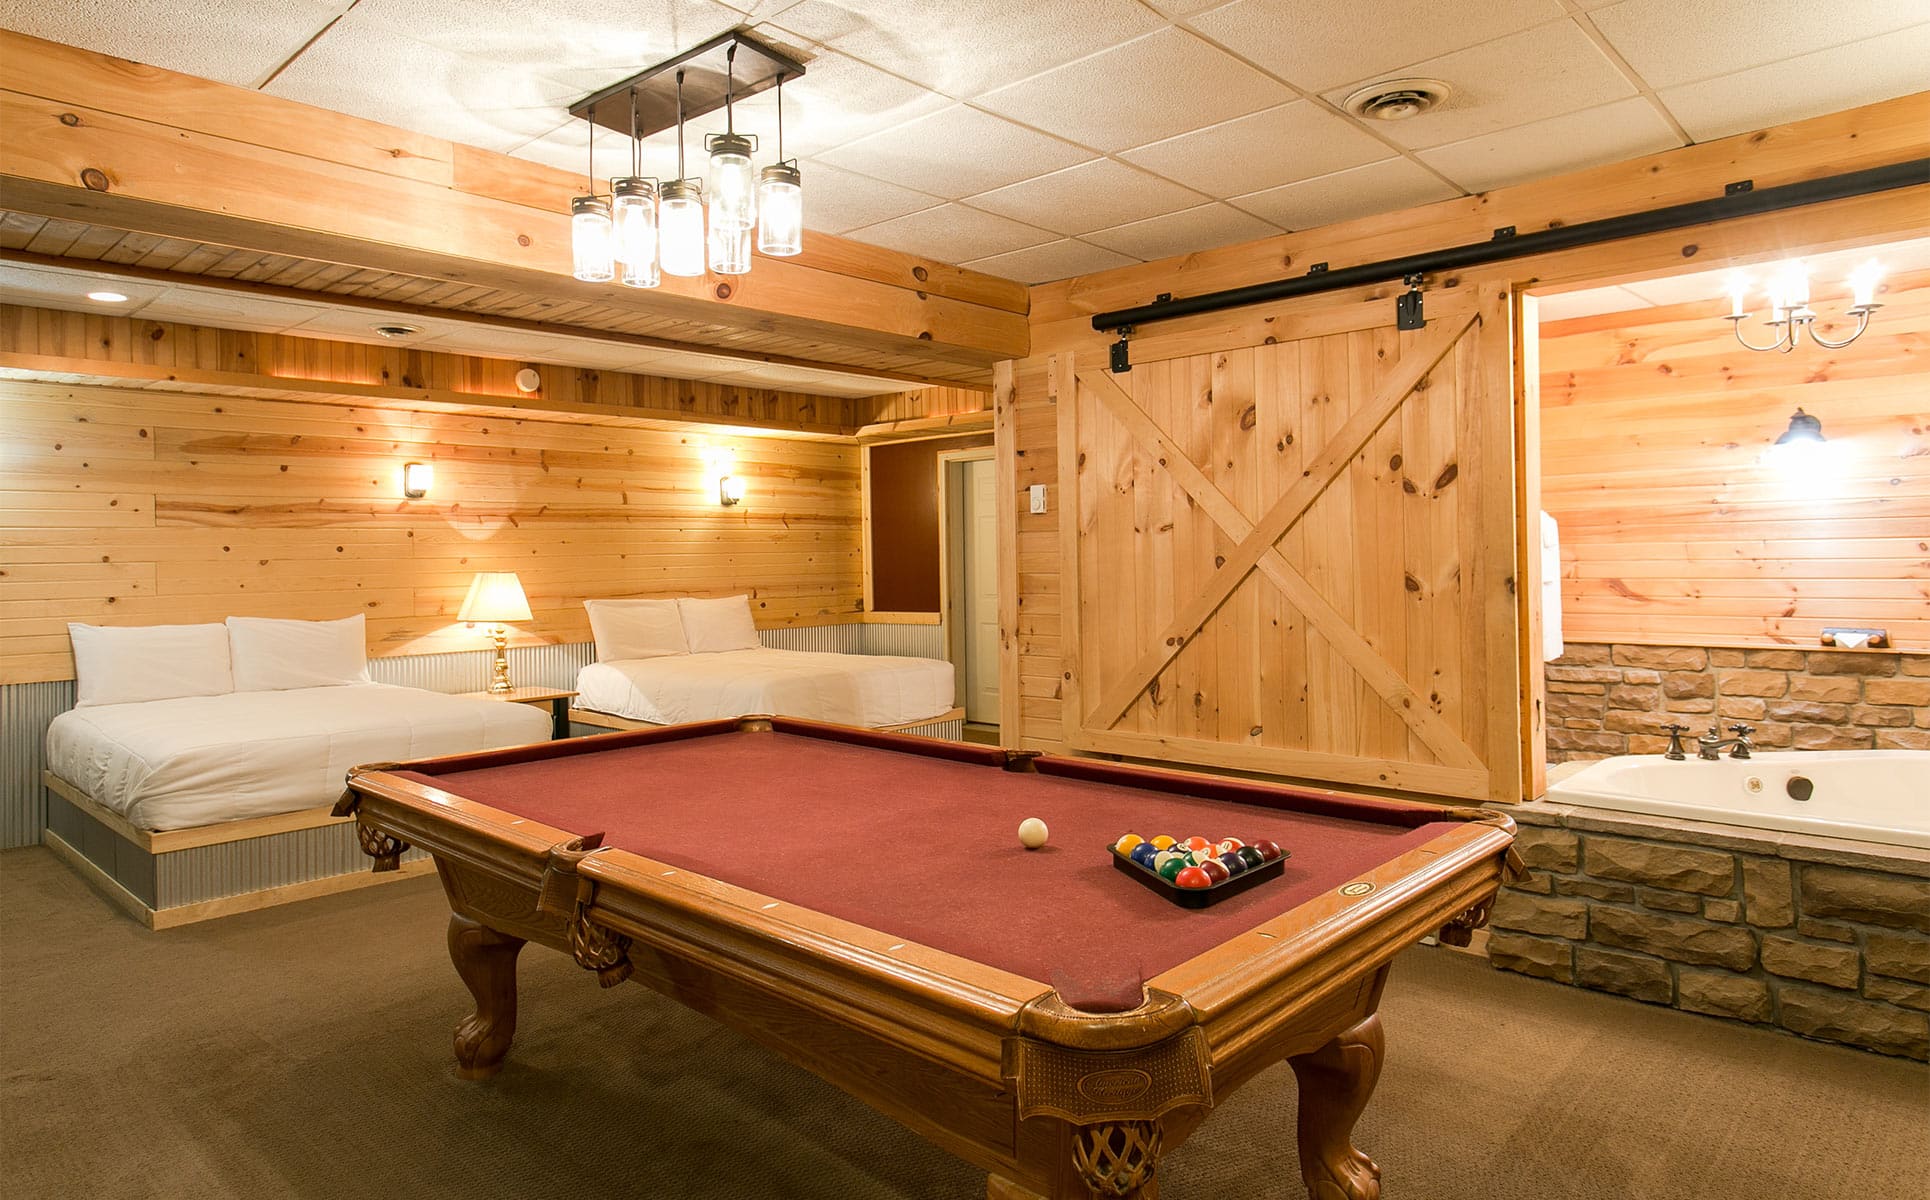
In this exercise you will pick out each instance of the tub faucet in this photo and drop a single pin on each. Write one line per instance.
(1711, 744)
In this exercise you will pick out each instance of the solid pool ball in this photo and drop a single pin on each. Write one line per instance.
(1163, 842)
(1143, 854)
(1235, 865)
(1032, 833)
(1192, 878)
(1216, 870)
(1268, 850)
(1197, 844)
(1171, 869)
(1251, 856)
(1128, 843)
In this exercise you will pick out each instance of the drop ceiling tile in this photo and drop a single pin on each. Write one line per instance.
(567, 148)
(1359, 192)
(1592, 302)
(214, 41)
(1202, 228)
(956, 152)
(1094, 195)
(964, 50)
(358, 325)
(1542, 72)
(839, 100)
(1054, 260)
(506, 343)
(1279, 145)
(1317, 44)
(586, 44)
(1669, 42)
(951, 233)
(1682, 289)
(228, 310)
(1824, 82)
(837, 201)
(68, 289)
(1611, 133)
(366, 69)
(1158, 86)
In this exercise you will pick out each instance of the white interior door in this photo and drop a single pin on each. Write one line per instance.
(981, 642)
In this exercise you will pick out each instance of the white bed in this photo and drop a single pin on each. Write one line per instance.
(196, 760)
(850, 689)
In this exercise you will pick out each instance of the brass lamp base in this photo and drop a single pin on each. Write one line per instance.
(499, 678)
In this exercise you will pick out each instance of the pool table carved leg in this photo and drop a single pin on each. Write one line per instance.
(486, 960)
(1335, 1083)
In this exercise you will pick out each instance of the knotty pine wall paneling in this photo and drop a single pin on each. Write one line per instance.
(142, 507)
(1674, 531)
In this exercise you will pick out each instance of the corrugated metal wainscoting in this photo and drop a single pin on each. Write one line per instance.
(26, 709)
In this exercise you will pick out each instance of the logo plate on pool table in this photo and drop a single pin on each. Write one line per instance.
(1357, 889)
(1116, 1086)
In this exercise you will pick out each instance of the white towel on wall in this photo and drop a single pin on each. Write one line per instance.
(1551, 646)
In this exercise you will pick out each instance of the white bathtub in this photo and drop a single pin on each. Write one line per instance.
(1868, 795)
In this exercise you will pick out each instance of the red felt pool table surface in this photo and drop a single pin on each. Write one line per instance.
(926, 848)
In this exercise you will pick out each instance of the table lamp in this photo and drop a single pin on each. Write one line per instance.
(495, 598)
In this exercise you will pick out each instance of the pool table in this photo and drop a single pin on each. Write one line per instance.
(859, 903)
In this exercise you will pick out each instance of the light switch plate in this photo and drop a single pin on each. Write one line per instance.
(1038, 497)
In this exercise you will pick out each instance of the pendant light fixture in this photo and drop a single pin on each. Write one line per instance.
(1789, 311)
(641, 230)
(780, 198)
(634, 203)
(682, 232)
(591, 252)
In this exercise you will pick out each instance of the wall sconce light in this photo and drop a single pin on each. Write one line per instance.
(1802, 447)
(496, 598)
(730, 490)
(417, 479)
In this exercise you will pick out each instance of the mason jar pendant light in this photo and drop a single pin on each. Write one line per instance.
(682, 211)
(642, 229)
(731, 184)
(633, 200)
(591, 249)
(780, 198)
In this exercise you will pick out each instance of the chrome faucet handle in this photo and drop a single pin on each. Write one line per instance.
(1675, 732)
(1741, 748)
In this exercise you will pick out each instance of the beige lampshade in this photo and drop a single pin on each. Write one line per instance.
(495, 596)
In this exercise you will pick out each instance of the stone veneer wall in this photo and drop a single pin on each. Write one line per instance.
(1614, 699)
(1810, 934)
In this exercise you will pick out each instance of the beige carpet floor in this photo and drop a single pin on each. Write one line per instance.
(304, 1052)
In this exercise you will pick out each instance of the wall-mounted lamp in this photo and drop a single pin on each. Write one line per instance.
(496, 598)
(1801, 446)
(730, 490)
(417, 479)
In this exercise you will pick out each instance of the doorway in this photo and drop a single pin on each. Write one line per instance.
(968, 506)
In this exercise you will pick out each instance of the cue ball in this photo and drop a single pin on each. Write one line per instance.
(1032, 833)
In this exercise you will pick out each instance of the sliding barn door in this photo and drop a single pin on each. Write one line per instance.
(1298, 557)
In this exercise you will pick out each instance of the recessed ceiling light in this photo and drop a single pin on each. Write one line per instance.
(107, 297)
(1398, 99)
(395, 331)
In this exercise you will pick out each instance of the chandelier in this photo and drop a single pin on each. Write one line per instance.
(1789, 311)
(642, 229)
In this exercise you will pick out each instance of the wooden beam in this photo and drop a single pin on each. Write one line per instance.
(98, 139)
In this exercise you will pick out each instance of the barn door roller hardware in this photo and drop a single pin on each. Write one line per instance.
(1740, 199)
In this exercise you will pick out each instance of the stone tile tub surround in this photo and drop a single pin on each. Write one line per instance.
(1822, 937)
(1605, 700)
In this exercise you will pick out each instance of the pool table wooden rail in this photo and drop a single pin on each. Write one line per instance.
(989, 1065)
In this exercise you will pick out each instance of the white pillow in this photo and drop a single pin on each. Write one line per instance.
(123, 665)
(635, 629)
(273, 655)
(714, 625)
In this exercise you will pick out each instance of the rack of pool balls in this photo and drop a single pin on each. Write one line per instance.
(1197, 871)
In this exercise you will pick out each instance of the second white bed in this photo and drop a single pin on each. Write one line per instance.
(850, 689)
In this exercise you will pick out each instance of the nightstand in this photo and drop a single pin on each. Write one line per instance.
(557, 698)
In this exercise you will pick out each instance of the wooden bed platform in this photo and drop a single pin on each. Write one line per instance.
(188, 875)
(950, 725)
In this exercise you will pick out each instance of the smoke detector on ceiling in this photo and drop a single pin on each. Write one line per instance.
(1398, 99)
(395, 331)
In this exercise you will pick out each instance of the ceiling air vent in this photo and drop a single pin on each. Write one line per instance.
(395, 331)
(1398, 99)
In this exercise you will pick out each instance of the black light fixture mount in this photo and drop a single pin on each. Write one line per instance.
(731, 66)
(1802, 428)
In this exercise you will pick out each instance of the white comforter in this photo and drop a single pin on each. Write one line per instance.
(176, 764)
(851, 689)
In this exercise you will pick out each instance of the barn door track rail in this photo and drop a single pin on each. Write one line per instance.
(1739, 199)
